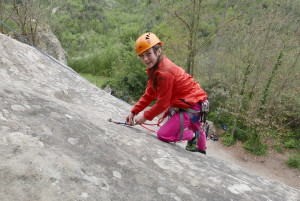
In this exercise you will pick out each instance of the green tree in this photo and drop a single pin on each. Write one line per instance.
(188, 13)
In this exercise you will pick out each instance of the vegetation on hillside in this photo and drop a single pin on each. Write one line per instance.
(245, 54)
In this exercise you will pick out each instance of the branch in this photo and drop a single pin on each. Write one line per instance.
(182, 20)
(176, 15)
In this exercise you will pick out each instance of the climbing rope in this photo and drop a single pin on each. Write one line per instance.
(125, 124)
(148, 128)
(143, 125)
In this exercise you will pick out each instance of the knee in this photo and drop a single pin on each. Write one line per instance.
(161, 135)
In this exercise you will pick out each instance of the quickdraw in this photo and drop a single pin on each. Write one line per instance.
(171, 111)
(125, 124)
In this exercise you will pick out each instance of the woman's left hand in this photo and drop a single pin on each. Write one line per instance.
(140, 119)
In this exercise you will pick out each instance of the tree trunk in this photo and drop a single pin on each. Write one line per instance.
(269, 82)
(216, 44)
(192, 41)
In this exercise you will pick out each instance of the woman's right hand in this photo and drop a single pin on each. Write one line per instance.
(130, 119)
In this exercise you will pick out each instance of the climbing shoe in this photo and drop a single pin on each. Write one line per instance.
(202, 152)
(192, 144)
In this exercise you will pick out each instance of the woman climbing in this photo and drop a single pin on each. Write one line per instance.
(171, 87)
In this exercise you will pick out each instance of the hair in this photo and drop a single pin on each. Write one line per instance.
(157, 47)
(161, 56)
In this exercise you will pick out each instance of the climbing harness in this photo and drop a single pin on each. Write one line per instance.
(194, 116)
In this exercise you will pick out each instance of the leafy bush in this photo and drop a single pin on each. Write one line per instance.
(100, 63)
(255, 146)
(240, 134)
(228, 139)
(218, 91)
(277, 147)
(294, 161)
(290, 143)
(129, 75)
(99, 81)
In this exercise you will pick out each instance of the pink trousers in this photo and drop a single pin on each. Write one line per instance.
(170, 131)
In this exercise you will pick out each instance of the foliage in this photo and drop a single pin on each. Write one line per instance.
(98, 63)
(294, 160)
(23, 15)
(255, 146)
(99, 81)
(290, 143)
(228, 139)
(133, 77)
(277, 147)
(241, 134)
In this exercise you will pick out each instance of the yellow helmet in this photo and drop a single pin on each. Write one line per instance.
(145, 42)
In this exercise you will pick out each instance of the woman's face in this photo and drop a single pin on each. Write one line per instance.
(149, 58)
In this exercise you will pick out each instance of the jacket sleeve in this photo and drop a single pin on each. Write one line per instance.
(165, 82)
(144, 101)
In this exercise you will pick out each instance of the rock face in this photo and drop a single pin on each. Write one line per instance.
(56, 144)
(48, 43)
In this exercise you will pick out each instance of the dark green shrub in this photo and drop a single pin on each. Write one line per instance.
(99, 81)
(131, 77)
(290, 143)
(228, 139)
(277, 147)
(294, 161)
(255, 146)
(240, 134)
(100, 63)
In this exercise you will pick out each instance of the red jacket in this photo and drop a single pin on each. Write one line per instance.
(175, 88)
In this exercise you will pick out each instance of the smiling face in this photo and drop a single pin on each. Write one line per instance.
(149, 57)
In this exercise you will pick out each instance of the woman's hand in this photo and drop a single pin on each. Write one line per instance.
(130, 119)
(140, 120)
